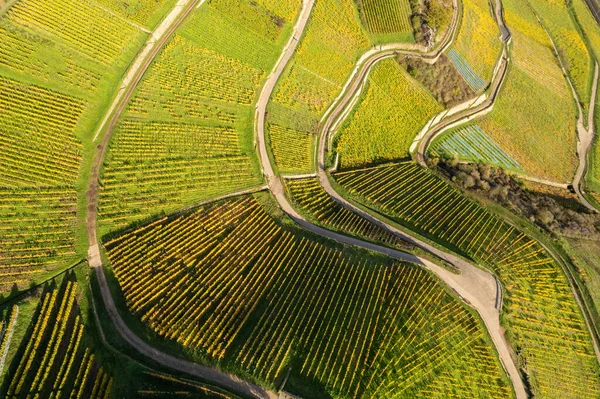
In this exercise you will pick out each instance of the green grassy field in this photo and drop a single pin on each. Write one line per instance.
(540, 313)
(187, 133)
(59, 63)
(254, 317)
(393, 109)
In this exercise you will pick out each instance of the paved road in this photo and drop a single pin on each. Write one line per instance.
(478, 288)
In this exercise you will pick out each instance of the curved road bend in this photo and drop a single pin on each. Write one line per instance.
(477, 287)
(584, 143)
(155, 43)
(427, 55)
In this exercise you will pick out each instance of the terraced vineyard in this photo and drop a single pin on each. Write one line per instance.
(157, 385)
(53, 359)
(312, 198)
(540, 312)
(294, 149)
(144, 12)
(556, 17)
(57, 60)
(477, 45)
(186, 134)
(183, 275)
(472, 144)
(534, 89)
(386, 120)
(467, 72)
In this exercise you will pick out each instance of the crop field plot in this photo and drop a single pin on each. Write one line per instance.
(58, 61)
(143, 12)
(591, 30)
(309, 85)
(312, 198)
(477, 44)
(293, 150)
(386, 120)
(36, 233)
(24, 51)
(386, 16)
(36, 135)
(471, 143)
(334, 33)
(159, 385)
(463, 67)
(534, 89)
(178, 274)
(541, 314)
(587, 259)
(238, 30)
(187, 132)
(53, 359)
(94, 32)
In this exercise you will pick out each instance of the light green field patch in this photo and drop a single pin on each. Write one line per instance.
(478, 38)
(472, 144)
(386, 120)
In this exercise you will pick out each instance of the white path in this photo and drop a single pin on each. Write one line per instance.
(477, 287)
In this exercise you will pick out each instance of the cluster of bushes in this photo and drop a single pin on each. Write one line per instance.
(556, 214)
(442, 79)
(428, 18)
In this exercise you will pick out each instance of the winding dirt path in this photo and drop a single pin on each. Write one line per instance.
(584, 143)
(155, 43)
(468, 114)
(478, 288)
